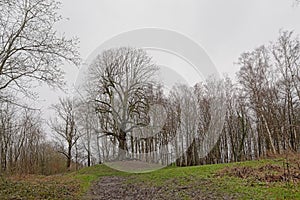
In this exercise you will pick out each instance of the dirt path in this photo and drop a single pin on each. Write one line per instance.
(113, 188)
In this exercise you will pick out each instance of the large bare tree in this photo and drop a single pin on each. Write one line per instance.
(119, 84)
(31, 50)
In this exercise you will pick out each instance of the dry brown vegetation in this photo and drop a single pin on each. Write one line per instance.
(284, 170)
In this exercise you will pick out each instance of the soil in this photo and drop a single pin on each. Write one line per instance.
(113, 188)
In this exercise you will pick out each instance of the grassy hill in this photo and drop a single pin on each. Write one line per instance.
(264, 179)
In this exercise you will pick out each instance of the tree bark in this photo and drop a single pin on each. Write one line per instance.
(122, 145)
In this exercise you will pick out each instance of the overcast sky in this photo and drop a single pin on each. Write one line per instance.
(224, 28)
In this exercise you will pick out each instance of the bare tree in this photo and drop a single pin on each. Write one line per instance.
(7, 130)
(30, 47)
(119, 80)
(187, 129)
(87, 123)
(253, 76)
(286, 53)
(64, 126)
(269, 77)
(22, 141)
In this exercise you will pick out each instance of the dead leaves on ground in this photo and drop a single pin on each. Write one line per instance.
(285, 172)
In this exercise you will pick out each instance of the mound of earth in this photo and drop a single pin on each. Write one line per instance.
(133, 166)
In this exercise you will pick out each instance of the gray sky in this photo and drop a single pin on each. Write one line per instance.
(224, 28)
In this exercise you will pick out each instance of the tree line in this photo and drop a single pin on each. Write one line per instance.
(31, 53)
(129, 117)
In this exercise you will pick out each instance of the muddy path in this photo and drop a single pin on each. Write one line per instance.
(115, 187)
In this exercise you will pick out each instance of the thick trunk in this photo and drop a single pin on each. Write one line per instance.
(122, 145)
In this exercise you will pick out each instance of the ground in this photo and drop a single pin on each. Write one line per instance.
(114, 187)
(276, 178)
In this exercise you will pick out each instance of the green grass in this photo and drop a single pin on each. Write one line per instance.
(206, 179)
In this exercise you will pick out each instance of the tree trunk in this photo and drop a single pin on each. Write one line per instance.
(69, 156)
(89, 158)
(122, 145)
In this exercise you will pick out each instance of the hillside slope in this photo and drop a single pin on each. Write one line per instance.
(264, 179)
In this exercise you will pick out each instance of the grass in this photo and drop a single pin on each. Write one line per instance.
(39, 187)
(208, 179)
